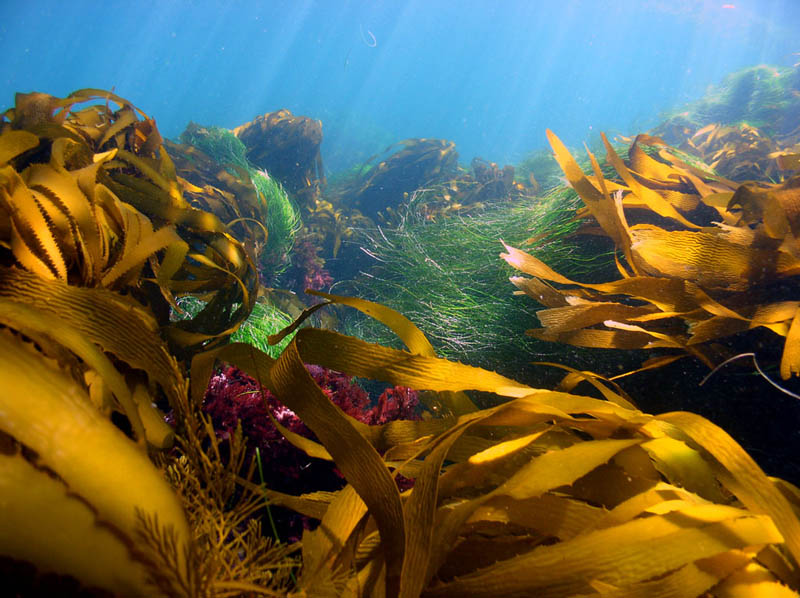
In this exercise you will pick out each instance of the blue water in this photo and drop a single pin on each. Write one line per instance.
(489, 75)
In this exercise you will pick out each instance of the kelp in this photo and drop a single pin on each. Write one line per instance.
(96, 243)
(288, 147)
(417, 163)
(549, 493)
(763, 96)
(96, 202)
(485, 185)
(327, 225)
(65, 467)
(739, 152)
(253, 204)
(696, 267)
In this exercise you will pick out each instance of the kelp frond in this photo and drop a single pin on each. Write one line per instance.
(550, 493)
(695, 268)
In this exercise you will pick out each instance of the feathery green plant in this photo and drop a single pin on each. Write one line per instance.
(444, 276)
(264, 320)
(282, 217)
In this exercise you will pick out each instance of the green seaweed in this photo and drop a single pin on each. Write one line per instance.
(283, 218)
(264, 320)
(444, 275)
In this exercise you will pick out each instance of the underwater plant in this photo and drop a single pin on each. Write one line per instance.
(443, 274)
(265, 320)
(288, 147)
(418, 162)
(684, 284)
(308, 268)
(269, 204)
(547, 493)
(236, 401)
(766, 97)
(96, 243)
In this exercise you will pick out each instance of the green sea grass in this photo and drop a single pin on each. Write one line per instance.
(444, 276)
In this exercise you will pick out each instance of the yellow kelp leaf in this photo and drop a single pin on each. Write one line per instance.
(157, 432)
(45, 328)
(559, 468)
(568, 383)
(607, 212)
(44, 524)
(311, 504)
(308, 446)
(540, 291)
(358, 358)
(740, 474)
(621, 555)
(643, 502)
(684, 467)
(405, 329)
(14, 142)
(139, 246)
(118, 324)
(322, 545)
(753, 581)
(354, 455)
(93, 458)
(652, 199)
(553, 515)
(693, 579)
(790, 360)
(705, 258)
(412, 337)
(33, 242)
(598, 339)
(648, 167)
(419, 515)
(668, 294)
(588, 313)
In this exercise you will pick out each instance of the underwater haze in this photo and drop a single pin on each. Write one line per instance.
(488, 75)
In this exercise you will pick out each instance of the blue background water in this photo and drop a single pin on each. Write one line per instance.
(490, 75)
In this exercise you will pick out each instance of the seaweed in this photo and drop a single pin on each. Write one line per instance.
(684, 284)
(442, 273)
(288, 147)
(549, 492)
(249, 194)
(541, 492)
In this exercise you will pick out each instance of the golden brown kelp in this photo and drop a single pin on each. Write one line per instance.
(548, 494)
(226, 192)
(96, 202)
(288, 147)
(740, 152)
(420, 162)
(96, 242)
(697, 267)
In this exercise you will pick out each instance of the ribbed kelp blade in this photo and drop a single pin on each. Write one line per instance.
(607, 213)
(355, 457)
(582, 496)
(116, 323)
(647, 195)
(457, 402)
(13, 143)
(741, 475)
(368, 360)
(81, 490)
(706, 259)
(629, 553)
